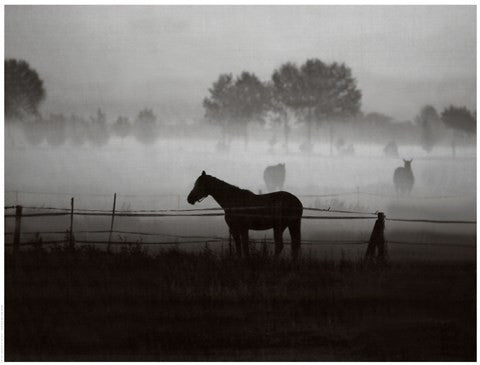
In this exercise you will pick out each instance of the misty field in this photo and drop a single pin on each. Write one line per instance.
(160, 176)
(177, 306)
(198, 301)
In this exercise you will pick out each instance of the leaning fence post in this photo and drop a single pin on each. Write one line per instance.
(111, 224)
(377, 238)
(18, 222)
(72, 240)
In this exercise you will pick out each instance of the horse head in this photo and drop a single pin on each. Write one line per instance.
(200, 189)
(407, 163)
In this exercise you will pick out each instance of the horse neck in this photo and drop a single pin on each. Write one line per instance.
(223, 193)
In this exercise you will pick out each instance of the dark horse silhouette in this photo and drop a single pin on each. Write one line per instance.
(245, 210)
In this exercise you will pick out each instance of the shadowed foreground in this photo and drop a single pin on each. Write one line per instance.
(90, 305)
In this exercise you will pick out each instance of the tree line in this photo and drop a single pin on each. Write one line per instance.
(24, 92)
(58, 129)
(313, 94)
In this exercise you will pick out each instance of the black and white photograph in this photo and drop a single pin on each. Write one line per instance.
(240, 183)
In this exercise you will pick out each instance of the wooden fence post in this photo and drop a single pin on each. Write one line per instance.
(18, 222)
(377, 238)
(111, 224)
(72, 239)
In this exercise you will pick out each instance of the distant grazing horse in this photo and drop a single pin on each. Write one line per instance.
(245, 210)
(403, 178)
(274, 177)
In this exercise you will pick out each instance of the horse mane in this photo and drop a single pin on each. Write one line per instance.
(226, 186)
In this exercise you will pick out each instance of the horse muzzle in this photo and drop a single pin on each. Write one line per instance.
(191, 200)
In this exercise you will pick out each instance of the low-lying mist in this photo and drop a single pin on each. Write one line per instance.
(160, 176)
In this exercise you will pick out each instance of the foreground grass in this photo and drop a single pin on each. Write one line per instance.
(91, 305)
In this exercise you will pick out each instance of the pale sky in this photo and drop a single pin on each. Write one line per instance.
(125, 58)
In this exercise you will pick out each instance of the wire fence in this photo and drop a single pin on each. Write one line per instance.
(177, 196)
(49, 211)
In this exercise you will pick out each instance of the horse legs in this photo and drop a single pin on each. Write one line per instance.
(238, 242)
(295, 235)
(278, 238)
(244, 240)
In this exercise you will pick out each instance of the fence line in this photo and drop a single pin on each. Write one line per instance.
(239, 212)
(359, 192)
(430, 221)
(108, 214)
(185, 210)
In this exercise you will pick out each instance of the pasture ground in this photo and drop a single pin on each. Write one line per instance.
(132, 306)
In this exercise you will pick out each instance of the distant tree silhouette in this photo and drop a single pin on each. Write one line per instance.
(218, 106)
(55, 129)
(461, 121)
(23, 89)
(278, 113)
(145, 128)
(377, 119)
(78, 130)
(233, 104)
(317, 92)
(428, 120)
(34, 130)
(98, 129)
(251, 99)
(122, 127)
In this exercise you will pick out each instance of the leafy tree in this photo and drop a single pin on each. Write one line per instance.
(218, 105)
(376, 120)
(23, 89)
(461, 121)
(98, 129)
(428, 120)
(122, 127)
(250, 103)
(234, 104)
(278, 114)
(317, 92)
(145, 127)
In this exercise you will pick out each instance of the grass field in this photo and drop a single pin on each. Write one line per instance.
(174, 305)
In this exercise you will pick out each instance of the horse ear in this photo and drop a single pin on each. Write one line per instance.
(203, 173)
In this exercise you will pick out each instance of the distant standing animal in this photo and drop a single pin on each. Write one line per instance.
(245, 210)
(274, 177)
(403, 178)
